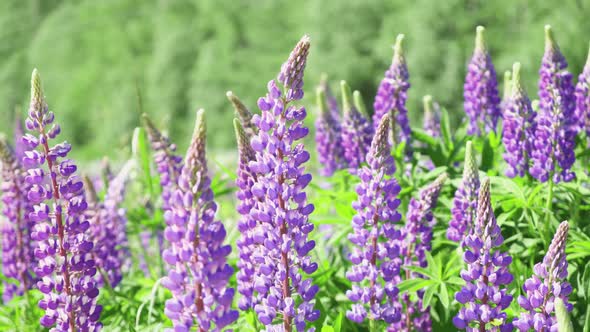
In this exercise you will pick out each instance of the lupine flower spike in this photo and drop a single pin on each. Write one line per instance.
(18, 133)
(331, 100)
(548, 282)
(583, 99)
(357, 131)
(17, 248)
(416, 242)
(199, 274)
(375, 254)
(392, 94)
(465, 202)
(481, 99)
(507, 90)
(556, 125)
(168, 163)
(243, 114)
(518, 128)
(328, 138)
(485, 296)
(247, 225)
(431, 117)
(285, 296)
(66, 268)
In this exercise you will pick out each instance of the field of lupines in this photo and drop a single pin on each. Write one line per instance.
(477, 226)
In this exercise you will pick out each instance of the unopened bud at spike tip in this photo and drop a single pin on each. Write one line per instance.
(480, 41)
(359, 103)
(347, 103)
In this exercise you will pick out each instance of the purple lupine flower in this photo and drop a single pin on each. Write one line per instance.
(507, 91)
(66, 269)
(582, 93)
(199, 273)
(285, 296)
(465, 200)
(357, 131)
(518, 128)
(108, 228)
(548, 282)
(431, 117)
(331, 101)
(485, 296)
(481, 98)
(168, 163)
(328, 138)
(246, 244)
(375, 255)
(393, 92)
(556, 125)
(416, 241)
(243, 114)
(17, 248)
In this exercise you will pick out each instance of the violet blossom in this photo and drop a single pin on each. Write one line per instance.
(582, 93)
(328, 138)
(66, 268)
(357, 131)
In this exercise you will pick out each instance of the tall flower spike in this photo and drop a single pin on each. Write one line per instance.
(485, 296)
(481, 99)
(17, 248)
(375, 252)
(416, 241)
(328, 138)
(583, 99)
(285, 296)
(518, 127)
(393, 92)
(168, 163)
(431, 117)
(66, 269)
(199, 273)
(243, 113)
(108, 228)
(357, 131)
(331, 101)
(507, 90)
(556, 125)
(246, 243)
(465, 201)
(548, 282)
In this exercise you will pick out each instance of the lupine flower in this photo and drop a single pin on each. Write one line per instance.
(548, 282)
(518, 127)
(199, 273)
(331, 101)
(465, 201)
(108, 228)
(246, 244)
(168, 163)
(328, 138)
(416, 241)
(66, 268)
(17, 247)
(507, 90)
(582, 93)
(375, 255)
(482, 102)
(431, 117)
(243, 114)
(393, 92)
(484, 297)
(357, 131)
(556, 125)
(285, 297)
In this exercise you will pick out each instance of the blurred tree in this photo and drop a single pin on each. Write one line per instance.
(95, 56)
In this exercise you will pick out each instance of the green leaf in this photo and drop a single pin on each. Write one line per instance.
(327, 328)
(141, 152)
(338, 322)
(564, 322)
(444, 295)
(445, 128)
(428, 297)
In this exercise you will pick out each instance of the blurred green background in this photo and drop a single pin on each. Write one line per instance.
(98, 59)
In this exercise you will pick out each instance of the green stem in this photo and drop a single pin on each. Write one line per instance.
(372, 325)
(549, 209)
